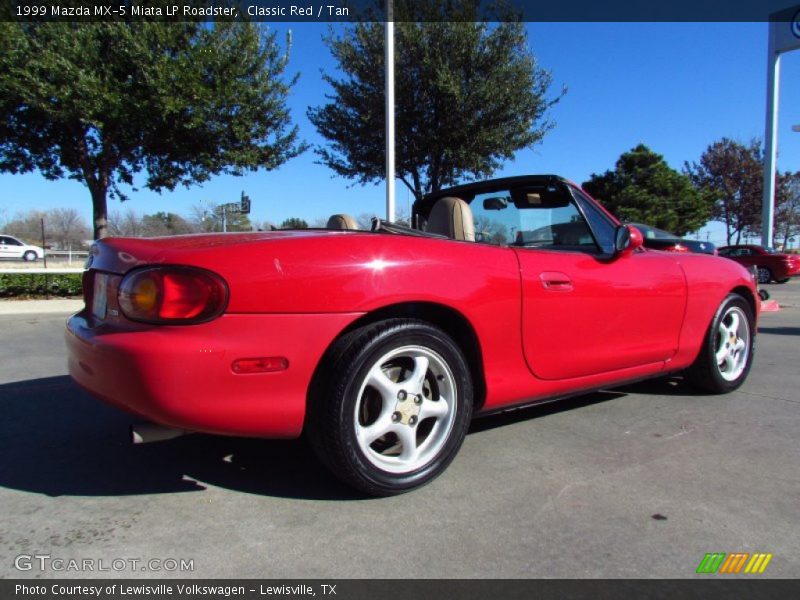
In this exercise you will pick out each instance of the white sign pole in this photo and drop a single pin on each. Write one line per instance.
(389, 75)
(784, 36)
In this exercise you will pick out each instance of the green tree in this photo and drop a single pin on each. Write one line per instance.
(731, 176)
(174, 102)
(294, 223)
(468, 95)
(164, 223)
(787, 210)
(643, 188)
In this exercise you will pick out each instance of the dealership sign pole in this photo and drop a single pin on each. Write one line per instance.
(784, 36)
(389, 83)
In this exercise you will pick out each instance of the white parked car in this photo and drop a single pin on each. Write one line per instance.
(11, 247)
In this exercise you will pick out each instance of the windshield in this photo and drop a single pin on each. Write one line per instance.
(651, 233)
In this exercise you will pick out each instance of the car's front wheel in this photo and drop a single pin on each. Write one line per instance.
(727, 352)
(29, 256)
(390, 408)
(764, 275)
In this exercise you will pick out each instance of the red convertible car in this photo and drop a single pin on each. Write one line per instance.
(771, 265)
(381, 345)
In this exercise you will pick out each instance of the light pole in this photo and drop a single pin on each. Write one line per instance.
(389, 87)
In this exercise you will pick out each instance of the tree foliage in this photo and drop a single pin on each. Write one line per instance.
(207, 217)
(173, 102)
(468, 95)
(643, 188)
(64, 228)
(125, 224)
(787, 209)
(294, 223)
(165, 223)
(731, 176)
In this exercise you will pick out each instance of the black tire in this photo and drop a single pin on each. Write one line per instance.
(29, 256)
(784, 280)
(722, 375)
(764, 274)
(392, 377)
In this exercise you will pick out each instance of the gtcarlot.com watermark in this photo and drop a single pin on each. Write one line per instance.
(46, 562)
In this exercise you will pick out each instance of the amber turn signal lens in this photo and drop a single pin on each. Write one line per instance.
(144, 295)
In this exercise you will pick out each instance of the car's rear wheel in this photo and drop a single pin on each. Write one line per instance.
(390, 408)
(784, 280)
(727, 351)
(29, 256)
(764, 275)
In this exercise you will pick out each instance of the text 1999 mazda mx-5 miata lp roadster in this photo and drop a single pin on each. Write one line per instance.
(381, 345)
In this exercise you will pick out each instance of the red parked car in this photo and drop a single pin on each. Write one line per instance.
(381, 345)
(771, 264)
(658, 239)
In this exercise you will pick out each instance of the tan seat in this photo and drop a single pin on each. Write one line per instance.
(452, 217)
(342, 222)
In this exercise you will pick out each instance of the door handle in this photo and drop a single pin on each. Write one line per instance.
(555, 281)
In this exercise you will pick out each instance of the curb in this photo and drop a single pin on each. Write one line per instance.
(30, 307)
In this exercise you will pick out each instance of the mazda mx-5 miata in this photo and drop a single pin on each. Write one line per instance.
(381, 345)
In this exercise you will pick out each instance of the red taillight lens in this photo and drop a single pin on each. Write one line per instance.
(677, 248)
(177, 295)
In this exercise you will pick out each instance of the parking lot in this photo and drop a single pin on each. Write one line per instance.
(634, 482)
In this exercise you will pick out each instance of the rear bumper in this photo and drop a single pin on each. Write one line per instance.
(182, 376)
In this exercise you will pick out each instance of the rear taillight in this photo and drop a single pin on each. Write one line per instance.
(171, 294)
(677, 248)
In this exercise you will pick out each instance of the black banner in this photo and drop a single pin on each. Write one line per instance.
(403, 10)
(431, 589)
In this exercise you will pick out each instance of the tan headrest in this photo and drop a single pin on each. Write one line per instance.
(342, 222)
(452, 217)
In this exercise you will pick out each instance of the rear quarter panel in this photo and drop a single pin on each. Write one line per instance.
(357, 273)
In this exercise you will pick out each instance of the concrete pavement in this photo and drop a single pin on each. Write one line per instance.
(32, 307)
(639, 481)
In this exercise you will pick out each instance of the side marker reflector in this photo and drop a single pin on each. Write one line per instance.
(265, 364)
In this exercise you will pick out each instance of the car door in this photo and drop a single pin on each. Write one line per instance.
(746, 257)
(587, 311)
(7, 249)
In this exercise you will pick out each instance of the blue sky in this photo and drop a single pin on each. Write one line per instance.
(675, 87)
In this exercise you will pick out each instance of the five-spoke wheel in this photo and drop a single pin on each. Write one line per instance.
(727, 351)
(405, 409)
(391, 406)
(733, 343)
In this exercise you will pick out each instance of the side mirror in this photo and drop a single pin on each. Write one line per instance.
(627, 239)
